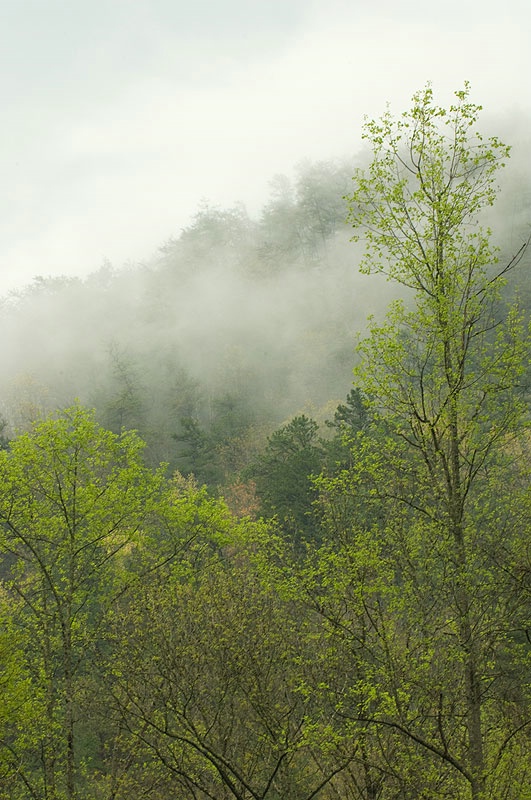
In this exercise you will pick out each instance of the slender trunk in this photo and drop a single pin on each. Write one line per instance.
(68, 654)
(68, 667)
(69, 720)
(48, 754)
(468, 641)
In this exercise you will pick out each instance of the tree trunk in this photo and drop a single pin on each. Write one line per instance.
(466, 631)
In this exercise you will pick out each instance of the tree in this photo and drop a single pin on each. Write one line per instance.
(125, 405)
(283, 476)
(349, 419)
(442, 377)
(299, 221)
(16, 707)
(320, 187)
(210, 671)
(73, 500)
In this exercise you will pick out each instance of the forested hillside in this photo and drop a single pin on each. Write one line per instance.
(234, 327)
(324, 589)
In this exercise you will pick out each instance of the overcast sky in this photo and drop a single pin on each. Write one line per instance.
(120, 116)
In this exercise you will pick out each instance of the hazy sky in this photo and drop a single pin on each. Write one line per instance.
(120, 116)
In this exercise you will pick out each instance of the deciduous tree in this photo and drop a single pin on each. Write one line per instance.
(73, 500)
(442, 375)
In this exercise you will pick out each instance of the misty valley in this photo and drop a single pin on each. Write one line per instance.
(265, 498)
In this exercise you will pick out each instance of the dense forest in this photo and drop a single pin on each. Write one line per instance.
(265, 500)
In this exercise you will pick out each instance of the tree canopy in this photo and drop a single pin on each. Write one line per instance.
(353, 620)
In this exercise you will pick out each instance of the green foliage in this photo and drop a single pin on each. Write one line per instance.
(370, 641)
(208, 674)
(430, 176)
(283, 477)
(350, 418)
(441, 375)
(210, 451)
(73, 500)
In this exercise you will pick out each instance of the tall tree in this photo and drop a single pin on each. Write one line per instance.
(442, 375)
(73, 499)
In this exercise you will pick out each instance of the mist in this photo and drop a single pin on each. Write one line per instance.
(236, 324)
(261, 310)
(173, 247)
(119, 118)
